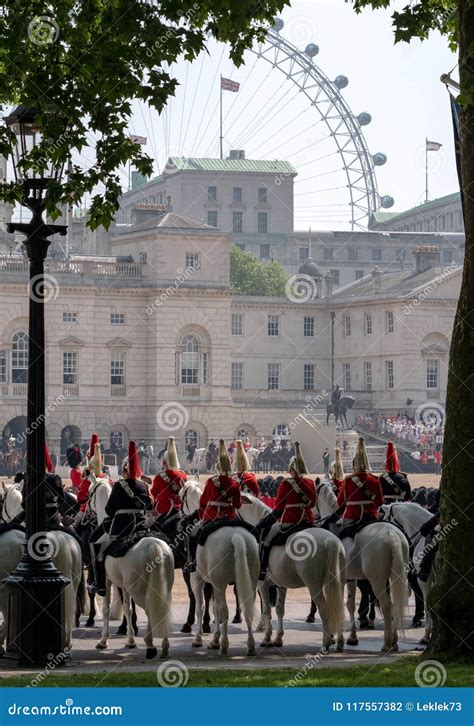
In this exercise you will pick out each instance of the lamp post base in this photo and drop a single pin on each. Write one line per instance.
(36, 634)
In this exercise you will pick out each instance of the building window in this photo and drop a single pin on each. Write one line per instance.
(117, 369)
(237, 194)
(70, 368)
(451, 221)
(237, 324)
(262, 223)
(20, 358)
(212, 219)
(117, 318)
(205, 367)
(376, 254)
(3, 367)
(273, 325)
(442, 223)
(237, 376)
(352, 254)
(308, 327)
(368, 375)
(308, 377)
(368, 323)
(358, 274)
(193, 261)
(273, 378)
(190, 360)
(347, 326)
(282, 431)
(264, 252)
(335, 276)
(262, 195)
(389, 322)
(389, 375)
(191, 438)
(212, 194)
(447, 257)
(432, 373)
(459, 222)
(346, 375)
(328, 253)
(400, 255)
(69, 317)
(117, 440)
(303, 253)
(237, 221)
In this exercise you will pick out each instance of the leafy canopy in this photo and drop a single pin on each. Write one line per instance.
(82, 62)
(250, 276)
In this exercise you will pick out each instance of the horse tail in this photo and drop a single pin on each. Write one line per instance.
(334, 586)
(398, 579)
(160, 576)
(246, 588)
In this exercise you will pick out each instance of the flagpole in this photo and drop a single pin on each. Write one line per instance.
(426, 170)
(220, 127)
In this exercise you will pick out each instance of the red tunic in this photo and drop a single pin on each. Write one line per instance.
(76, 477)
(220, 498)
(292, 504)
(339, 484)
(83, 493)
(166, 488)
(248, 481)
(357, 502)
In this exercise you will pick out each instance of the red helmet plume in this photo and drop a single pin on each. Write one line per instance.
(47, 460)
(134, 471)
(94, 440)
(391, 458)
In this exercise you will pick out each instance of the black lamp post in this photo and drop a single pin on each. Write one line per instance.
(36, 603)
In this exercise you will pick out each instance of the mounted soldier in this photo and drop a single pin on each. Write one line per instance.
(246, 478)
(337, 472)
(395, 484)
(167, 484)
(361, 493)
(83, 491)
(55, 495)
(125, 510)
(294, 504)
(218, 503)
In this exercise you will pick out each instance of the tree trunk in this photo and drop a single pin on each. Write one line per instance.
(452, 599)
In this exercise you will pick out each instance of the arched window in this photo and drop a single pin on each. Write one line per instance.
(282, 431)
(243, 434)
(193, 368)
(117, 439)
(20, 357)
(191, 438)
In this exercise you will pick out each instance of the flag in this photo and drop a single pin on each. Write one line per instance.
(455, 113)
(138, 139)
(433, 145)
(228, 85)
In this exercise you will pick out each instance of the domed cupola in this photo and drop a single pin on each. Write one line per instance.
(310, 269)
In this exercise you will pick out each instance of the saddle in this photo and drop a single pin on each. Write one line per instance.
(280, 539)
(356, 527)
(120, 547)
(212, 527)
(9, 526)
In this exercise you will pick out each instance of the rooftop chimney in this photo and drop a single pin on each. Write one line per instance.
(377, 278)
(328, 284)
(236, 154)
(426, 257)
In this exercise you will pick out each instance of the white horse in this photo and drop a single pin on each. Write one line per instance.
(198, 461)
(410, 517)
(313, 558)
(378, 553)
(145, 573)
(66, 555)
(11, 501)
(230, 555)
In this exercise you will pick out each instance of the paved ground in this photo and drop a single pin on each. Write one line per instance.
(302, 643)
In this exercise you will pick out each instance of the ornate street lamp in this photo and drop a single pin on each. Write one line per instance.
(36, 603)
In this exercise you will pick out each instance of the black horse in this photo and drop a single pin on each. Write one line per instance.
(340, 409)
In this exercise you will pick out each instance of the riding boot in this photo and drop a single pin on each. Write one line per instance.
(426, 564)
(190, 565)
(98, 567)
(264, 557)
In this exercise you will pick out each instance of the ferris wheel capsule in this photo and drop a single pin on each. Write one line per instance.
(311, 50)
(341, 82)
(387, 201)
(364, 118)
(278, 25)
(379, 159)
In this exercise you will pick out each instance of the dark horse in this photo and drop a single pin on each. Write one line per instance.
(340, 410)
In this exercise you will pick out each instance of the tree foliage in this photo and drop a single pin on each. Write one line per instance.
(250, 276)
(82, 62)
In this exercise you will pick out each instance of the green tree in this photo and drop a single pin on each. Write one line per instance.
(82, 62)
(451, 600)
(251, 276)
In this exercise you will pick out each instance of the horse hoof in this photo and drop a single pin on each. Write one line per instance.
(197, 644)
(121, 631)
(423, 641)
(237, 619)
(324, 650)
(277, 644)
(77, 623)
(333, 640)
(151, 653)
(90, 623)
(186, 628)
(339, 649)
(416, 623)
(213, 646)
(266, 644)
(251, 652)
(310, 619)
(206, 628)
(395, 648)
(130, 645)
(101, 646)
(352, 641)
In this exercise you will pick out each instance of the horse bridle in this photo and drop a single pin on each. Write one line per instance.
(393, 520)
